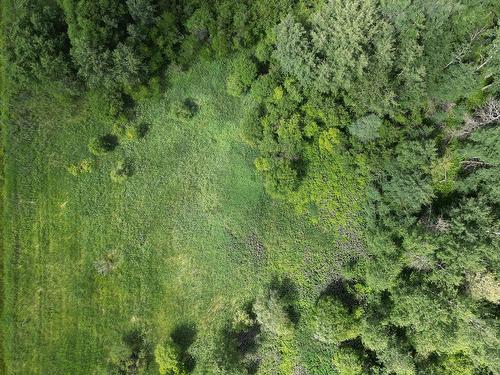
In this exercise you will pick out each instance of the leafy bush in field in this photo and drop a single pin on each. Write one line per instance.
(271, 316)
(103, 144)
(256, 332)
(76, 169)
(184, 109)
(243, 73)
(148, 90)
(123, 170)
(335, 323)
(241, 340)
(167, 356)
(132, 356)
(125, 130)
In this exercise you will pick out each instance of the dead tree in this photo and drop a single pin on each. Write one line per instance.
(489, 114)
(474, 163)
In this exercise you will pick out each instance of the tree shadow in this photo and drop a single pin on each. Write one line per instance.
(184, 335)
(240, 345)
(134, 340)
(143, 129)
(342, 290)
(289, 294)
(109, 142)
(140, 354)
(191, 106)
(185, 109)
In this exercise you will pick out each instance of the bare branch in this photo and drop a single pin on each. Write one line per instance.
(486, 61)
(487, 115)
(475, 163)
(466, 46)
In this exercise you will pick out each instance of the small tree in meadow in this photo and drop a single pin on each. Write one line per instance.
(103, 144)
(122, 171)
(167, 357)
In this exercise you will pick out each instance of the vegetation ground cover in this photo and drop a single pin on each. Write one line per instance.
(191, 234)
(250, 187)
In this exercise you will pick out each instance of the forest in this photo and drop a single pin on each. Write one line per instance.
(269, 187)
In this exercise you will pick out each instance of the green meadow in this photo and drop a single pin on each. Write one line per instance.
(249, 187)
(191, 234)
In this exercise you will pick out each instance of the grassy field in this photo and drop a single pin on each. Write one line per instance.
(191, 234)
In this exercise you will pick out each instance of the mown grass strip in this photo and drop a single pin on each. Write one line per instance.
(3, 115)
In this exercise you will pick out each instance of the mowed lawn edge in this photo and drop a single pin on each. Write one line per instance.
(3, 124)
